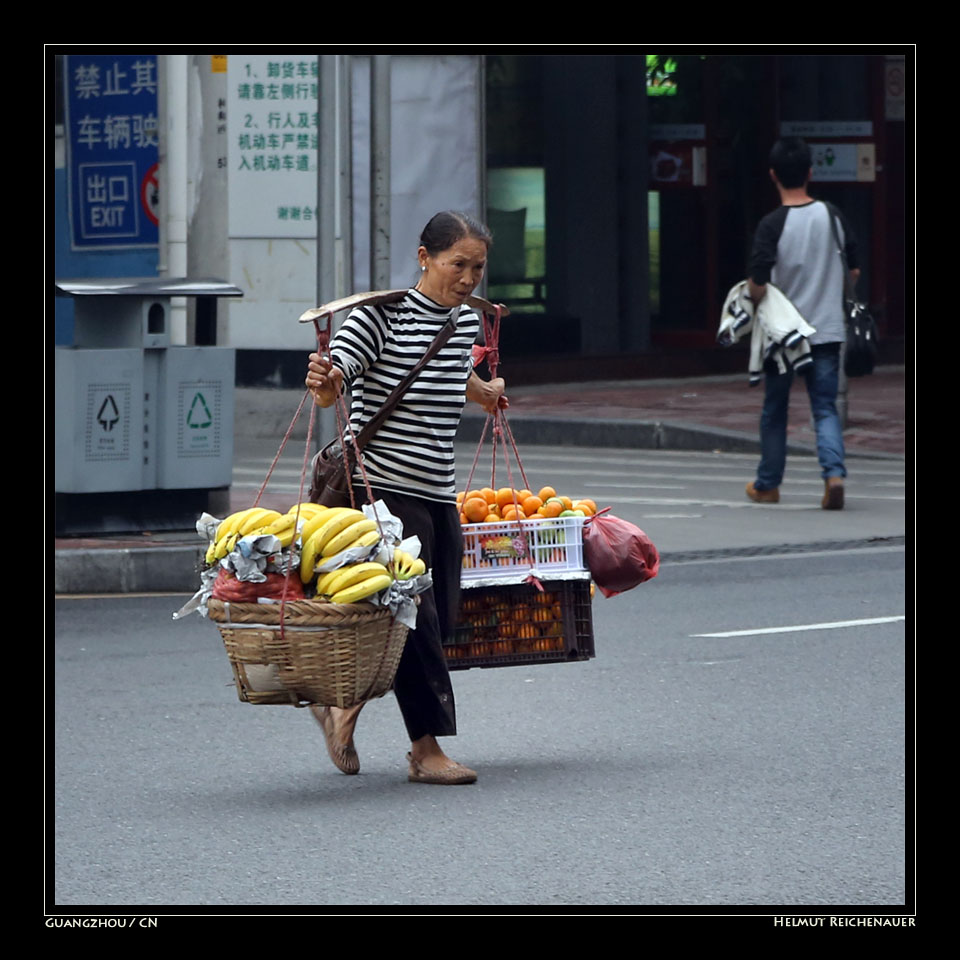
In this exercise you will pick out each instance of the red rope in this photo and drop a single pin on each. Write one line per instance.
(501, 433)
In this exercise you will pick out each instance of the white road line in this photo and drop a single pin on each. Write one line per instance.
(807, 626)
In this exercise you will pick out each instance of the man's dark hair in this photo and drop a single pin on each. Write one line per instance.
(790, 160)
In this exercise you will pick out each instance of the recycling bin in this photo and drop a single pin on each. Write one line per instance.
(144, 428)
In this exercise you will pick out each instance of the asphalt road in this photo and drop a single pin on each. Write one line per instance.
(754, 771)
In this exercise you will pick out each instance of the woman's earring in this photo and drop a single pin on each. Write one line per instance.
(422, 269)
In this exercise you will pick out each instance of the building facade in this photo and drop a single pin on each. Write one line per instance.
(622, 189)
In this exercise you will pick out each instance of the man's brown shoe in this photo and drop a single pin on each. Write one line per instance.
(763, 496)
(832, 494)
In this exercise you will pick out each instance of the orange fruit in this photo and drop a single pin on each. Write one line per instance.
(491, 518)
(460, 497)
(523, 494)
(551, 508)
(489, 494)
(475, 509)
(511, 513)
(531, 505)
(567, 503)
(506, 495)
(473, 493)
(463, 518)
(586, 501)
(546, 493)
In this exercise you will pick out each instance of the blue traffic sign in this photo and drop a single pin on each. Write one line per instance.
(112, 143)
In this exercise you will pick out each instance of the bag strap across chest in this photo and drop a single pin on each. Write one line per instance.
(377, 420)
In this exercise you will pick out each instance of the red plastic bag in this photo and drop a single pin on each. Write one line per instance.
(619, 555)
(228, 587)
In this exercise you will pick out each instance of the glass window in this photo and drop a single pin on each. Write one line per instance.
(515, 182)
(824, 88)
(516, 216)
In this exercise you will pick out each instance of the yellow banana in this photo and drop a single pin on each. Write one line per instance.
(210, 552)
(368, 539)
(365, 588)
(231, 523)
(325, 580)
(353, 574)
(225, 545)
(256, 519)
(347, 536)
(282, 525)
(315, 524)
(339, 521)
(307, 509)
(407, 566)
(308, 560)
(309, 555)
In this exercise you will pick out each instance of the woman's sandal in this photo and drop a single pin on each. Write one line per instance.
(344, 756)
(458, 773)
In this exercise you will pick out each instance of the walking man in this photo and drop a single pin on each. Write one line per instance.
(794, 249)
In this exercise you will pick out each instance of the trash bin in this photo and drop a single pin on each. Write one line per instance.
(144, 428)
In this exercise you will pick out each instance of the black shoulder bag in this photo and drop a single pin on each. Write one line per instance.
(861, 348)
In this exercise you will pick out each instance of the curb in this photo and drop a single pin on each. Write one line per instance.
(176, 569)
(639, 435)
(173, 569)
(266, 413)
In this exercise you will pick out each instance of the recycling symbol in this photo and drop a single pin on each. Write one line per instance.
(108, 415)
(198, 419)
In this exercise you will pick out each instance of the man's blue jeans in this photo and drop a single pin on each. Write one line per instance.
(822, 384)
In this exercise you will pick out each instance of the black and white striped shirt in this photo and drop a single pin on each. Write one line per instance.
(376, 347)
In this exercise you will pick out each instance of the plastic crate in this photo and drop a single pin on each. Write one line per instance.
(550, 546)
(516, 624)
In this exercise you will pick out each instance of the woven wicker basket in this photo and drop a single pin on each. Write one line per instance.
(335, 655)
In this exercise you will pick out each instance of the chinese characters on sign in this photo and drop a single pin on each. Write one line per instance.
(273, 139)
(111, 119)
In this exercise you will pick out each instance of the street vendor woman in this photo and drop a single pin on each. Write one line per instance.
(409, 464)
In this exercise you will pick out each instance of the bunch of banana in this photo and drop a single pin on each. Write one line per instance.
(354, 582)
(238, 525)
(283, 527)
(330, 533)
(307, 510)
(405, 566)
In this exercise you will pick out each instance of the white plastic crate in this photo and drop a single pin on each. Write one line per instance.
(530, 546)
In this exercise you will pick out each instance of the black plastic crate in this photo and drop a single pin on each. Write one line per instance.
(515, 624)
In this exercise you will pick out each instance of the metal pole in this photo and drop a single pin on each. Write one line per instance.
(327, 181)
(380, 173)
(326, 423)
(176, 186)
(345, 186)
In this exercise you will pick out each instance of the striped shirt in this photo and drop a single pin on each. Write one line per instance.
(376, 347)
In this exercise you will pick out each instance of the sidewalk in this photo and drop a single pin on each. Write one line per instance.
(700, 414)
(707, 414)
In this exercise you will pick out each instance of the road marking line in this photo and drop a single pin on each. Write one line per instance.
(807, 626)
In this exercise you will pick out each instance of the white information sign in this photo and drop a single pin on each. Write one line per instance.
(844, 162)
(272, 128)
(826, 128)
